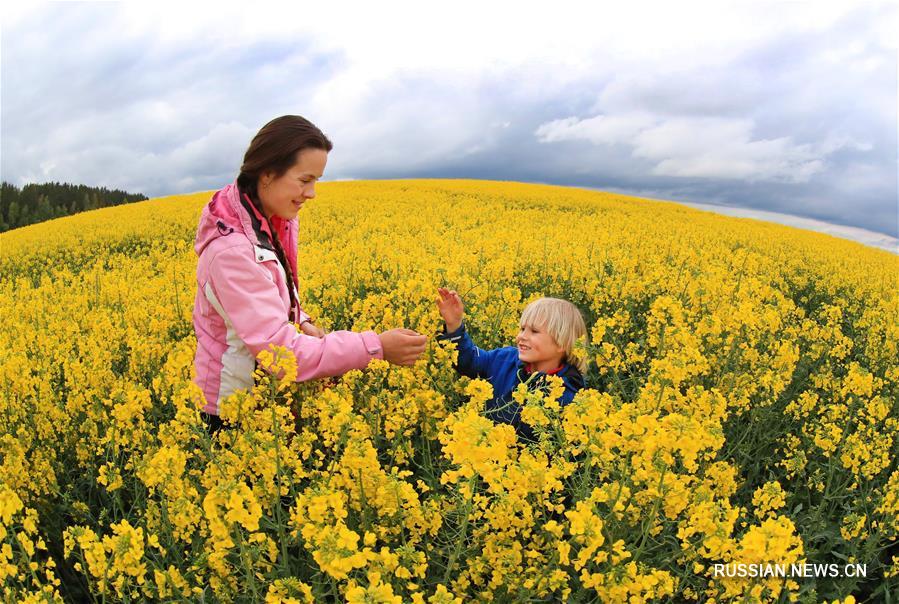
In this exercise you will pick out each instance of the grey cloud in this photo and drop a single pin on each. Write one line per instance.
(83, 105)
(802, 123)
(719, 90)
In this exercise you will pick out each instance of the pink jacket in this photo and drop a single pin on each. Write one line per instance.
(242, 304)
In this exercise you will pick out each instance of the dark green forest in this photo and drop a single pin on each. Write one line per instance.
(38, 202)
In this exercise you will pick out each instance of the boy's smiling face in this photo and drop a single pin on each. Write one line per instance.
(537, 347)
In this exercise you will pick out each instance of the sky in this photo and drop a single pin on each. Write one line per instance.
(772, 107)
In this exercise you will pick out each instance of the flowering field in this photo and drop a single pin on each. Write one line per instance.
(742, 408)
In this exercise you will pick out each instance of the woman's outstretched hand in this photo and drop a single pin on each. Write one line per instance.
(451, 308)
(402, 346)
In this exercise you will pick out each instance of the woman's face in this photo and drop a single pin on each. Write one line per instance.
(285, 195)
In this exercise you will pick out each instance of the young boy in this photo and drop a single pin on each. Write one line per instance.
(545, 341)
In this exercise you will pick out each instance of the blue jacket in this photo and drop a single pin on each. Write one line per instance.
(504, 371)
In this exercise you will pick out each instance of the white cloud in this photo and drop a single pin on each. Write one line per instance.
(216, 149)
(600, 129)
(724, 148)
(709, 93)
(706, 147)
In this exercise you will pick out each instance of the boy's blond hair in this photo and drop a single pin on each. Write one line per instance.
(563, 322)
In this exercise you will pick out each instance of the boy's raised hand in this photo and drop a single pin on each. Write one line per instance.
(451, 308)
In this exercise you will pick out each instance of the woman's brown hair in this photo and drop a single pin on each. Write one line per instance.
(275, 148)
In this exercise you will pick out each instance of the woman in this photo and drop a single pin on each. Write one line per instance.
(247, 296)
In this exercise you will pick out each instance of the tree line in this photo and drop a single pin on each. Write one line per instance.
(38, 202)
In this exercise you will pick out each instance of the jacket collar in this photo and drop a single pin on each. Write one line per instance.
(570, 375)
(228, 212)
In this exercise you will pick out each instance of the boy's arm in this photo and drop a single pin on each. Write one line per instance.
(473, 361)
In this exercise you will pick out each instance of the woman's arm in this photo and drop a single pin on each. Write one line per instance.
(253, 308)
